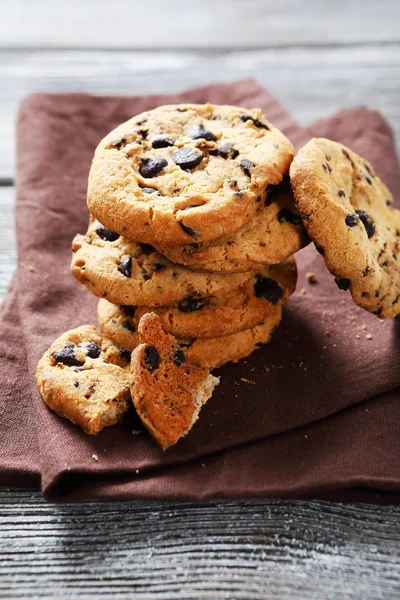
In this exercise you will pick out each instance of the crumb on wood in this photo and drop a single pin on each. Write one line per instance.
(247, 380)
(267, 369)
(358, 337)
(311, 278)
(303, 291)
(137, 471)
(95, 457)
(363, 326)
(324, 347)
(368, 336)
(203, 465)
(30, 268)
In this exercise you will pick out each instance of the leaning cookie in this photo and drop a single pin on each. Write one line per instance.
(168, 390)
(348, 213)
(125, 272)
(185, 173)
(215, 351)
(84, 377)
(209, 318)
(273, 234)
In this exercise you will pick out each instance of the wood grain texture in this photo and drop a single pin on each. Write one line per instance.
(233, 550)
(7, 238)
(309, 83)
(316, 56)
(206, 24)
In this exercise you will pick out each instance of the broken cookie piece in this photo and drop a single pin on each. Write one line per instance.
(84, 377)
(167, 390)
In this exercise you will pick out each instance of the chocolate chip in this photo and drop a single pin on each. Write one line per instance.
(129, 326)
(246, 165)
(352, 220)
(128, 310)
(327, 168)
(66, 356)
(343, 283)
(198, 132)
(179, 357)
(106, 234)
(151, 358)
(190, 304)
(126, 267)
(347, 155)
(93, 350)
(76, 383)
(388, 202)
(267, 288)
(187, 158)
(162, 141)
(369, 170)
(287, 216)
(125, 354)
(188, 230)
(368, 222)
(396, 300)
(225, 151)
(341, 194)
(158, 267)
(144, 133)
(78, 369)
(256, 122)
(368, 180)
(149, 190)
(151, 167)
(118, 143)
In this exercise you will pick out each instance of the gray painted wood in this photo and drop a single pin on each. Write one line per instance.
(233, 550)
(310, 83)
(205, 24)
(316, 56)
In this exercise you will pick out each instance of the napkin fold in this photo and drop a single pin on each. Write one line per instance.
(312, 413)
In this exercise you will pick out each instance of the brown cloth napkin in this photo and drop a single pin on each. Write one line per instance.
(315, 367)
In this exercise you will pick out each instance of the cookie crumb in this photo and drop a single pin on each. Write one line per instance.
(368, 336)
(303, 291)
(137, 471)
(324, 347)
(247, 380)
(311, 278)
(30, 268)
(95, 457)
(358, 337)
(363, 326)
(203, 465)
(381, 321)
(267, 369)
(136, 431)
(305, 435)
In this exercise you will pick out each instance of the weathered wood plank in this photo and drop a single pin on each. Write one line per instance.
(309, 83)
(236, 550)
(206, 24)
(7, 238)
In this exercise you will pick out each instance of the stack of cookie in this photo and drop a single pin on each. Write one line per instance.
(192, 219)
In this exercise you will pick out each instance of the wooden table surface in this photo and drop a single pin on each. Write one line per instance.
(315, 56)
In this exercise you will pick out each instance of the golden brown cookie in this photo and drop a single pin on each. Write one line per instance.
(84, 377)
(215, 351)
(168, 390)
(125, 272)
(348, 213)
(211, 318)
(273, 234)
(185, 173)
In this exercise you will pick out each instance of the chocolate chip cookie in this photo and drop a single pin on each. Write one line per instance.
(273, 234)
(348, 212)
(215, 351)
(168, 390)
(84, 377)
(125, 272)
(186, 173)
(207, 318)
